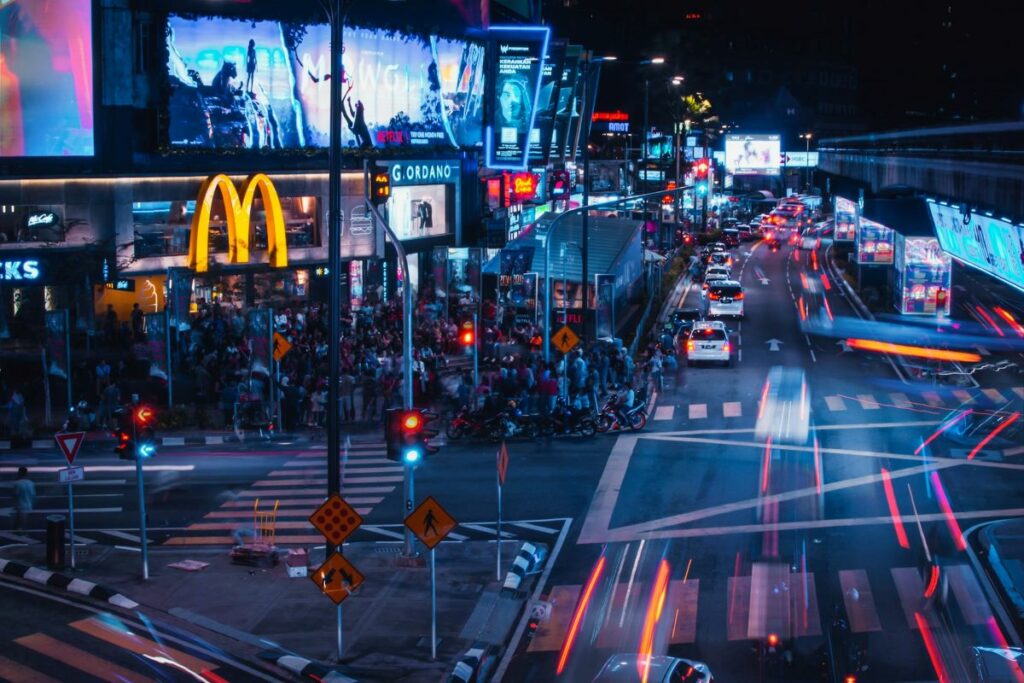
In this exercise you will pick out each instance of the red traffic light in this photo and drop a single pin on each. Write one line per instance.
(144, 415)
(412, 422)
(467, 337)
(773, 640)
(701, 167)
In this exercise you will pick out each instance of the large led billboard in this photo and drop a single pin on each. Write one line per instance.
(46, 91)
(989, 244)
(845, 220)
(519, 54)
(266, 85)
(874, 243)
(753, 154)
(547, 103)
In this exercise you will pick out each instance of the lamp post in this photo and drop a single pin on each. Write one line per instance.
(806, 137)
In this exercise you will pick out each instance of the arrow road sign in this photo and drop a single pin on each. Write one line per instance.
(764, 281)
(773, 344)
(69, 443)
(337, 578)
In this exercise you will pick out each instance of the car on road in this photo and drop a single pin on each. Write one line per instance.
(997, 664)
(809, 239)
(719, 258)
(708, 341)
(773, 242)
(710, 279)
(724, 298)
(622, 668)
(683, 319)
(746, 232)
(731, 237)
(725, 271)
(785, 412)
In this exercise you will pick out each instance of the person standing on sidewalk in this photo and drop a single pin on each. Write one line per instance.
(24, 498)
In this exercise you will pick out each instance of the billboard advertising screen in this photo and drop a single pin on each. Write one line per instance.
(519, 55)
(46, 90)
(266, 85)
(547, 103)
(845, 220)
(922, 271)
(874, 243)
(566, 106)
(989, 244)
(753, 154)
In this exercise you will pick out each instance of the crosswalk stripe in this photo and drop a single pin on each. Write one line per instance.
(286, 513)
(664, 412)
(323, 482)
(79, 659)
(535, 527)
(551, 634)
(486, 530)
(19, 673)
(860, 602)
(963, 396)
(80, 540)
(347, 490)
(769, 609)
(307, 502)
(698, 411)
(910, 588)
(994, 396)
(935, 400)
(738, 607)
(348, 470)
(383, 532)
(369, 460)
(1019, 391)
(900, 400)
(126, 640)
(281, 526)
(968, 594)
(280, 539)
(835, 403)
(682, 610)
(16, 538)
(124, 536)
(867, 402)
(804, 614)
(732, 409)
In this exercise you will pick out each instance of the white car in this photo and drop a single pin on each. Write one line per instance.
(708, 341)
(623, 668)
(725, 271)
(709, 279)
(724, 297)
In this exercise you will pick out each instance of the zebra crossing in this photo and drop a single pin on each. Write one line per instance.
(772, 599)
(925, 401)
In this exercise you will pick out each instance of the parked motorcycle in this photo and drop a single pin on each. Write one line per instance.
(567, 420)
(613, 418)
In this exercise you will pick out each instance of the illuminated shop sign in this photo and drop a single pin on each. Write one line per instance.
(14, 270)
(424, 172)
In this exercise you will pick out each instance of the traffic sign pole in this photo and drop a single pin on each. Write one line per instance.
(500, 471)
(498, 572)
(433, 607)
(71, 519)
(476, 358)
(69, 443)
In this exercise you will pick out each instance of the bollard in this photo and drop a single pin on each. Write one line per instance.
(55, 541)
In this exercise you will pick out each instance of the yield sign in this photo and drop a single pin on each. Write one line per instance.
(69, 443)
(502, 463)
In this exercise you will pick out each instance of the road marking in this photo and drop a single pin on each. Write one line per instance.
(536, 527)
(126, 640)
(664, 412)
(994, 396)
(835, 403)
(79, 540)
(910, 589)
(302, 483)
(352, 459)
(1019, 391)
(383, 532)
(301, 513)
(732, 409)
(738, 607)
(122, 535)
(860, 602)
(307, 502)
(900, 400)
(969, 596)
(698, 411)
(551, 634)
(868, 402)
(17, 539)
(486, 530)
(107, 468)
(934, 400)
(963, 396)
(599, 516)
(69, 655)
(683, 608)
(262, 493)
(19, 673)
(349, 470)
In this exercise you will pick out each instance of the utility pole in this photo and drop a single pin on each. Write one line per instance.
(585, 126)
(334, 257)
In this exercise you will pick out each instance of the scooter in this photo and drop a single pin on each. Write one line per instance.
(81, 418)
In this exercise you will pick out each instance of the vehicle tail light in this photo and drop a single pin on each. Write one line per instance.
(738, 297)
(690, 346)
(727, 347)
(713, 296)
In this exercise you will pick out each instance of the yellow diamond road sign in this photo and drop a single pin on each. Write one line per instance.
(565, 339)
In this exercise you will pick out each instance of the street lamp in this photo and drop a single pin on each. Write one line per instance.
(806, 137)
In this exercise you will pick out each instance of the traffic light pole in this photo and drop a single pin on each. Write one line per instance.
(143, 542)
(476, 359)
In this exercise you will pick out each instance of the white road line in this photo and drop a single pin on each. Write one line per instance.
(123, 536)
(698, 411)
(16, 538)
(868, 402)
(835, 403)
(485, 530)
(963, 396)
(535, 527)
(813, 357)
(664, 412)
(383, 532)
(732, 409)
(994, 396)
(1019, 391)
(80, 540)
(900, 400)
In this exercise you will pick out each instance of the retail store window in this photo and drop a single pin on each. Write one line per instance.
(164, 228)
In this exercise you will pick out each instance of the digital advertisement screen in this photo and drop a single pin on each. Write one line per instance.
(566, 107)
(922, 270)
(266, 85)
(46, 88)
(845, 220)
(874, 243)
(547, 103)
(983, 242)
(753, 154)
(419, 211)
(518, 65)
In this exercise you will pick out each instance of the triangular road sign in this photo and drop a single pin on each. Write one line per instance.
(69, 443)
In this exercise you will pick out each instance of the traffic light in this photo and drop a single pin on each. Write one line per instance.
(467, 335)
(408, 435)
(142, 444)
(380, 185)
(701, 168)
(702, 187)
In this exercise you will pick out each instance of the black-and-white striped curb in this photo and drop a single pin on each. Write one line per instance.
(467, 669)
(72, 585)
(527, 560)
(306, 667)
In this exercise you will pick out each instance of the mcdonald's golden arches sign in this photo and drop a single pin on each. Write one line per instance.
(239, 221)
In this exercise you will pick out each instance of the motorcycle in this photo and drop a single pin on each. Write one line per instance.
(511, 423)
(471, 423)
(611, 418)
(567, 420)
(81, 418)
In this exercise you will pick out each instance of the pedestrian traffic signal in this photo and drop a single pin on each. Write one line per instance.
(408, 436)
(701, 167)
(467, 335)
(380, 185)
(702, 188)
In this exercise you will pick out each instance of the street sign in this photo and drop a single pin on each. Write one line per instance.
(336, 520)
(430, 522)
(69, 443)
(71, 474)
(565, 339)
(337, 578)
(281, 346)
(502, 463)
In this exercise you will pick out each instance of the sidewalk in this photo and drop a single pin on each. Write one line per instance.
(386, 634)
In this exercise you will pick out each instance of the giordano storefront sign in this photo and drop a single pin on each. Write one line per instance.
(423, 172)
(238, 208)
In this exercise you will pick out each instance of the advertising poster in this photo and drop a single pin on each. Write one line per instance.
(606, 177)
(475, 272)
(991, 245)
(180, 299)
(258, 322)
(518, 64)
(922, 269)
(547, 104)
(355, 283)
(464, 279)
(605, 312)
(46, 78)
(588, 98)
(874, 243)
(57, 351)
(845, 220)
(156, 342)
(566, 101)
(753, 154)
(266, 85)
(512, 281)
(439, 271)
(417, 211)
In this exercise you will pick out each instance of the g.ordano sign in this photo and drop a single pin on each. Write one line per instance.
(423, 172)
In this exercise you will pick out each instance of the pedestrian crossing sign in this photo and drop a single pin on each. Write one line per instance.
(281, 346)
(337, 578)
(565, 339)
(430, 522)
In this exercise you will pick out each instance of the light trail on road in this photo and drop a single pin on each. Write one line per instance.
(894, 510)
(581, 608)
(914, 351)
(991, 435)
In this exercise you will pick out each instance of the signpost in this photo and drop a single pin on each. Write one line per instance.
(565, 340)
(502, 470)
(431, 523)
(336, 577)
(69, 443)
